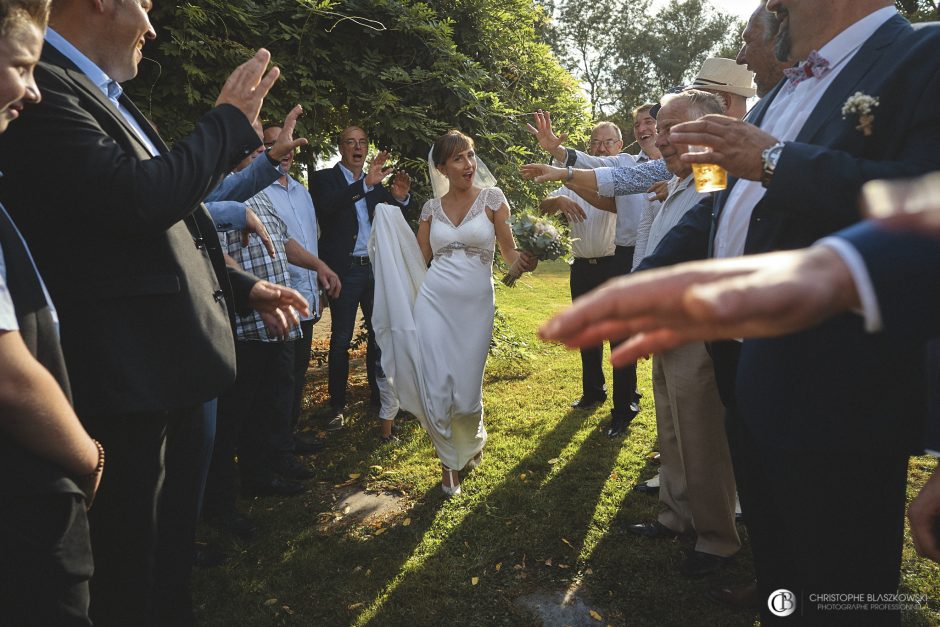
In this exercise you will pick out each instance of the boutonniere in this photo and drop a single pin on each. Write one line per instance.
(861, 105)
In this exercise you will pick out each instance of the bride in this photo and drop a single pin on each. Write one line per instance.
(435, 324)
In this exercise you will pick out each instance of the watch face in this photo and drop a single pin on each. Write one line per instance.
(774, 155)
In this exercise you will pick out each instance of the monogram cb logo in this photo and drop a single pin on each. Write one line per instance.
(781, 602)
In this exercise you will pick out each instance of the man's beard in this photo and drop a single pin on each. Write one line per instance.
(782, 42)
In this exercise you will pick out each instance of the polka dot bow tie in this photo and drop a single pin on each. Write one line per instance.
(814, 65)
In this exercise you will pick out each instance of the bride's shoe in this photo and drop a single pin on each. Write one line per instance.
(450, 481)
(475, 461)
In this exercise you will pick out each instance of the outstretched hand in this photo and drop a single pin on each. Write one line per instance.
(542, 173)
(377, 169)
(543, 132)
(248, 85)
(278, 305)
(285, 142)
(401, 185)
(752, 296)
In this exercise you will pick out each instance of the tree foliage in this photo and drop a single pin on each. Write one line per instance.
(626, 55)
(919, 10)
(405, 70)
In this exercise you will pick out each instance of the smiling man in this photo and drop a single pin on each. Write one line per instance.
(133, 264)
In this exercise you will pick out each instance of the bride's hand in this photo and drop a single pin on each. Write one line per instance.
(542, 173)
(528, 261)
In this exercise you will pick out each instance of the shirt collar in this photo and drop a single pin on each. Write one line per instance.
(105, 83)
(348, 173)
(851, 39)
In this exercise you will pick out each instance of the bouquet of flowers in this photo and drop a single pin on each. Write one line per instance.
(539, 236)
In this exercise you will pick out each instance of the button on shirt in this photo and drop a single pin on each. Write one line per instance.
(361, 248)
(105, 83)
(784, 120)
(295, 207)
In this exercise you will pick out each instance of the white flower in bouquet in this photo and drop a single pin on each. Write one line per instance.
(539, 236)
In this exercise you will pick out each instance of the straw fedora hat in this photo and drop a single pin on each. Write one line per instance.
(719, 74)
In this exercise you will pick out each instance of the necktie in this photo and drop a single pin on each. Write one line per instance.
(814, 66)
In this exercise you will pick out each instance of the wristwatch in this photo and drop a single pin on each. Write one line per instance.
(770, 157)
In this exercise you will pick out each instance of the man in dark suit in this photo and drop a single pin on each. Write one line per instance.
(890, 278)
(811, 405)
(345, 198)
(133, 263)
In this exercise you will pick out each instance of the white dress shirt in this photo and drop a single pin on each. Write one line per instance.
(594, 236)
(784, 120)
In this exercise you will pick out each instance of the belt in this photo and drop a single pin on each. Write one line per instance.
(359, 261)
(594, 260)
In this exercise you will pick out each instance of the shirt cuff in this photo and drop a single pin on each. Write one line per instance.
(859, 271)
(605, 181)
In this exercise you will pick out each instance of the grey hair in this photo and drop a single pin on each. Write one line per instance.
(769, 21)
(608, 124)
(700, 102)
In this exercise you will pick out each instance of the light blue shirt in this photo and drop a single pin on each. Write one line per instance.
(362, 212)
(295, 207)
(109, 87)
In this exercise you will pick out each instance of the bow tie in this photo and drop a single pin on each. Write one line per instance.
(814, 65)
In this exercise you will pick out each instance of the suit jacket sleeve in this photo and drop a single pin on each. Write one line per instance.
(228, 215)
(242, 185)
(131, 196)
(904, 270)
(686, 241)
(330, 196)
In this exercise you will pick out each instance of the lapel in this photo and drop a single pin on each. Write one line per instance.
(54, 57)
(851, 75)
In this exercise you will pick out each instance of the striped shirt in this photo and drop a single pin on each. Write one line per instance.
(682, 197)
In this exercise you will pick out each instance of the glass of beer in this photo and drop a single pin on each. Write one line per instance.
(708, 176)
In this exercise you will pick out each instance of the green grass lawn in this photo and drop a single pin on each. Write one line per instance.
(546, 512)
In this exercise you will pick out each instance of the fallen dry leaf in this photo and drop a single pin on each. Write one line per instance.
(474, 580)
(287, 610)
(355, 606)
(379, 531)
(406, 522)
(596, 616)
(355, 475)
(271, 602)
(565, 540)
(553, 460)
(522, 477)
(589, 572)
(499, 566)
(563, 566)
(548, 562)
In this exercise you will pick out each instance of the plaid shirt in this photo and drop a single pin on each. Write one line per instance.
(254, 258)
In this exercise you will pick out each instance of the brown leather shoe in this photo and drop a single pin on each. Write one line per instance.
(741, 597)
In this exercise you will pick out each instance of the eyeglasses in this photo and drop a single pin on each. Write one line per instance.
(268, 144)
(352, 143)
(609, 143)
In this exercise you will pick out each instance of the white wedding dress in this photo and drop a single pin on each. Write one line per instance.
(434, 327)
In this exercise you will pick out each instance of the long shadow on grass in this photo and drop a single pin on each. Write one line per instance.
(640, 577)
(518, 525)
